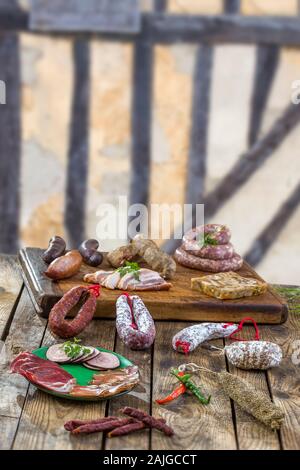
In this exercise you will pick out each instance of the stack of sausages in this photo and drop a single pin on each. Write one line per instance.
(208, 248)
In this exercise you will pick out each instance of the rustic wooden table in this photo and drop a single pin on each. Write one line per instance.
(31, 419)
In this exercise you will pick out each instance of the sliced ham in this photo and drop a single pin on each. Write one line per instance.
(98, 277)
(112, 281)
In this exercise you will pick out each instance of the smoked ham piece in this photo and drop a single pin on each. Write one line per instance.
(142, 280)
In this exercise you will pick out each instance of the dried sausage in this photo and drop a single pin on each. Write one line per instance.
(68, 329)
(254, 354)
(210, 265)
(89, 253)
(56, 248)
(220, 234)
(134, 324)
(65, 266)
(215, 252)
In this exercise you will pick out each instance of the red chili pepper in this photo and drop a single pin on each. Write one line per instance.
(180, 390)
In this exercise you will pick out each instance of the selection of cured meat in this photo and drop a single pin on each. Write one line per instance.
(70, 328)
(140, 280)
(42, 373)
(208, 248)
(135, 325)
(188, 339)
(228, 285)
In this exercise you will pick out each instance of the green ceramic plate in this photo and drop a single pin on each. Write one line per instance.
(82, 374)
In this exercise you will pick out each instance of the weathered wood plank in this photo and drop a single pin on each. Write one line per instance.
(231, 6)
(26, 333)
(90, 15)
(140, 398)
(196, 426)
(284, 380)
(43, 417)
(251, 434)
(10, 136)
(141, 122)
(270, 233)
(78, 155)
(10, 287)
(267, 59)
(247, 165)
(212, 29)
(196, 171)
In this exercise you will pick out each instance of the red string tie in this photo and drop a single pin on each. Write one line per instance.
(240, 327)
(129, 301)
(183, 345)
(95, 289)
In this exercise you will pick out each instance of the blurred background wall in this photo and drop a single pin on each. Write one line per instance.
(46, 73)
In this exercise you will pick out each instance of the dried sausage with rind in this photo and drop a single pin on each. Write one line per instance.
(68, 329)
(65, 266)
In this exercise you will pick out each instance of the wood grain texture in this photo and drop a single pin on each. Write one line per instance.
(251, 434)
(196, 170)
(90, 15)
(267, 59)
(196, 426)
(10, 137)
(284, 381)
(26, 333)
(271, 232)
(43, 417)
(78, 155)
(140, 398)
(10, 287)
(179, 303)
(141, 122)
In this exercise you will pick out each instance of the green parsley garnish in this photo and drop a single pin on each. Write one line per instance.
(207, 240)
(73, 349)
(130, 268)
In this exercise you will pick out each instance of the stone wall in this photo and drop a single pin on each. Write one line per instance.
(46, 95)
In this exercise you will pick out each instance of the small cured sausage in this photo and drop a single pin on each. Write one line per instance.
(127, 429)
(215, 252)
(65, 266)
(215, 234)
(134, 324)
(56, 248)
(188, 339)
(68, 329)
(150, 421)
(75, 423)
(89, 253)
(254, 354)
(187, 259)
(104, 360)
(101, 426)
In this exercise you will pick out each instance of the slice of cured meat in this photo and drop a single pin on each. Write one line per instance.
(56, 353)
(141, 280)
(128, 374)
(102, 391)
(85, 357)
(194, 262)
(104, 360)
(43, 373)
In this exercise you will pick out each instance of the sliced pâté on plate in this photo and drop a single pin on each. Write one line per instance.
(228, 285)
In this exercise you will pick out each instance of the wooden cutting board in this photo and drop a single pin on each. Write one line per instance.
(179, 303)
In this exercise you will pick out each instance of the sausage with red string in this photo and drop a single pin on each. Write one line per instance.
(68, 329)
(135, 325)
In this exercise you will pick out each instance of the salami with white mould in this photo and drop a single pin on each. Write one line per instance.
(188, 339)
(135, 325)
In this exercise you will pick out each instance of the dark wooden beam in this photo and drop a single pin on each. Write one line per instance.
(141, 122)
(10, 138)
(247, 165)
(231, 6)
(160, 5)
(270, 233)
(267, 58)
(196, 171)
(212, 29)
(77, 171)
